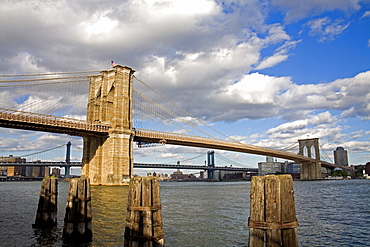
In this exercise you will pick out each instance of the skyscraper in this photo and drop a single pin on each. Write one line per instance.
(340, 157)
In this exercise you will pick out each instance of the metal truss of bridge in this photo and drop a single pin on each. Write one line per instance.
(108, 132)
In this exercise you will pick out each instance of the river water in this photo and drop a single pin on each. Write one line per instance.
(330, 213)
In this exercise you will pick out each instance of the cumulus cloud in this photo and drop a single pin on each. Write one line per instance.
(199, 50)
(321, 118)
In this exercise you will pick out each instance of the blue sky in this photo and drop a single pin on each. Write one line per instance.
(266, 72)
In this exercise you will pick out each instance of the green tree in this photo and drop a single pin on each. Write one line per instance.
(339, 173)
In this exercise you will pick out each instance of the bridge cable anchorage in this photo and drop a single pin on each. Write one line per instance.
(189, 114)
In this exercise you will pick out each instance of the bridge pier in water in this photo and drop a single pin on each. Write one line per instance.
(310, 170)
(211, 163)
(108, 160)
(68, 161)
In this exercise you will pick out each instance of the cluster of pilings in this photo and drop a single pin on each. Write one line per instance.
(272, 220)
(77, 221)
(144, 225)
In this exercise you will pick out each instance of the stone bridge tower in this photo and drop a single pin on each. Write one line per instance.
(310, 148)
(108, 160)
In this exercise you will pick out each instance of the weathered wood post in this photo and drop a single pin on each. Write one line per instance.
(144, 226)
(272, 212)
(77, 221)
(46, 216)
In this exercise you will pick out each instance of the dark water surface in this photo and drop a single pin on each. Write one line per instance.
(330, 213)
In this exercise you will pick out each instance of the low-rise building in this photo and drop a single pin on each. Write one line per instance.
(269, 166)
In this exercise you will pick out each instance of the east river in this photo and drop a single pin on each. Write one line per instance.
(329, 212)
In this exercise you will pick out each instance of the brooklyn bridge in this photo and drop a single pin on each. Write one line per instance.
(118, 105)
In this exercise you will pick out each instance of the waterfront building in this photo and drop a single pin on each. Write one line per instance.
(269, 167)
(367, 168)
(14, 170)
(178, 175)
(340, 157)
(292, 167)
(22, 171)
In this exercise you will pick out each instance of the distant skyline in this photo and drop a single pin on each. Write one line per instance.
(265, 72)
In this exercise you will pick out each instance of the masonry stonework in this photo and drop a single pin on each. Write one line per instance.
(108, 160)
(310, 170)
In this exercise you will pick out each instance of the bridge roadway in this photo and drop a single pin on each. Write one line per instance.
(54, 124)
(137, 165)
(48, 123)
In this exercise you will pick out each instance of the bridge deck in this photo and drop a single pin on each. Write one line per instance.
(48, 123)
(194, 141)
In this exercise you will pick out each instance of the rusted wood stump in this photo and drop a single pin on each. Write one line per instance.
(77, 220)
(272, 218)
(46, 216)
(144, 226)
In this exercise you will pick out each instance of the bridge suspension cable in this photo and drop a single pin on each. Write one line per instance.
(52, 73)
(170, 113)
(326, 155)
(290, 147)
(44, 83)
(193, 158)
(35, 153)
(55, 93)
(230, 161)
(61, 79)
(44, 151)
(177, 117)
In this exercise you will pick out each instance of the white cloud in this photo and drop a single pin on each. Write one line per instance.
(99, 25)
(321, 118)
(257, 88)
(198, 50)
(272, 61)
(27, 62)
(366, 14)
(299, 9)
(326, 29)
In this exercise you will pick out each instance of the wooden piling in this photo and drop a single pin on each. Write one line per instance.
(46, 216)
(272, 218)
(77, 221)
(144, 226)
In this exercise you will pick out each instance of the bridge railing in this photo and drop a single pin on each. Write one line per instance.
(50, 120)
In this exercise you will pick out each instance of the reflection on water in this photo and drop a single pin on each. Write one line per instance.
(109, 205)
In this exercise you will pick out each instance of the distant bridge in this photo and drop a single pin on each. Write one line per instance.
(137, 165)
